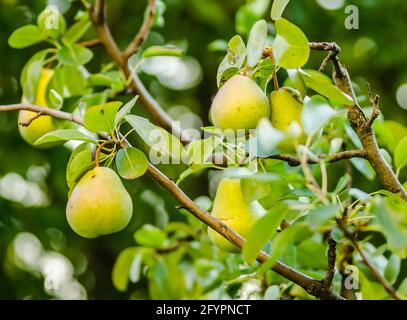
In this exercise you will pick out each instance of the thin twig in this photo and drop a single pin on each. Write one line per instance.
(138, 40)
(330, 272)
(99, 149)
(29, 121)
(90, 43)
(376, 107)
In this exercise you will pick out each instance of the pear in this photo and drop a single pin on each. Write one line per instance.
(99, 204)
(43, 124)
(285, 108)
(239, 104)
(231, 207)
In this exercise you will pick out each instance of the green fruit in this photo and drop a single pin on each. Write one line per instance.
(43, 124)
(239, 104)
(285, 108)
(231, 207)
(51, 22)
(99, 204)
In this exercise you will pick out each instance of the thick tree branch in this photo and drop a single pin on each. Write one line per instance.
(312, 286)
(362, 125)
(143, 32)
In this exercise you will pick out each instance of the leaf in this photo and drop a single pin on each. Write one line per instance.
(131, 163)
(150, 236)
(254, 189)
(316, 114)
(256, 42)
(79, 163)
(290, 47)
(163, 145)
(185, 174)
(25, 36)
(234, 58)
(76, 32)
(199, 151)
(278, 8)
(63, 135)
(101, 118)
(74, 54)
(320, 83)
(125, 110)
(389, 133)
(400, 154)
(264, 72)
(120, 273)
(262, 232)
(293, 234)
(248, 14)
(392, 269)
(154, 51)
(320, 215)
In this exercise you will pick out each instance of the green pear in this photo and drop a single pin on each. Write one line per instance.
(99, 204)
(285, 108)
(43, 124)
(239, 104)
(231, 207)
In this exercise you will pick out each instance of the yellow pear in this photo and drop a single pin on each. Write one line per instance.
(231, 207)
(99, 204)
(239, 104)
(43, 124)
(285, 108)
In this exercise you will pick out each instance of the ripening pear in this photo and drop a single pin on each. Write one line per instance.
(231, 207)
(42, 124)
(239, 104)
(285, 108)
(99, 204)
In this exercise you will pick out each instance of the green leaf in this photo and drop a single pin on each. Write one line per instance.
(248, 14)
(264, 72)
(389, 133)
(131, 163)
(278, 8)
(163, 145)
(320, 83)
(150, 236)
(76, 32)
(120, 273)
(234, 59)
(101, 118)
(63, 135)
(262, 232)
(320, 215)
(254, 189)
(74, 54)
(195, 168)
(56, 100)
(293, 234)
(392, 269)
(25, 36)
(290, 47)
(400, 154)
(256, 42)
(79, 163)
(154, 51)
(364, 167)
(199, 151)
(125, 110)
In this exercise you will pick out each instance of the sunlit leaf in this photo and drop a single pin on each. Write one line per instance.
(278, 8)
(25, 37)
(256, 42)
(131, 163)
(400, 154)
(63, 135)
(101, 118)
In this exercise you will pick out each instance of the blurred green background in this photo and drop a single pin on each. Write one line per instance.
(33, 192)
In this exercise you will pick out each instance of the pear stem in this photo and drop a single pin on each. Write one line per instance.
(99, 149)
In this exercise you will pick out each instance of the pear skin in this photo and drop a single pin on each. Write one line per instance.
(239, 104)
(285, 108)
(43, 124)
(99, 204)
(231, 207)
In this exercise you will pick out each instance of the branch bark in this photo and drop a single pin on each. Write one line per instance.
(313, 286)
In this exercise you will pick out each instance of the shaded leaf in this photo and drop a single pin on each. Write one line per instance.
(63, 135)
(131, 163)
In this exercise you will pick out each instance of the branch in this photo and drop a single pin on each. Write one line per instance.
(143, 32)
(294, 161)
(362, 125)
(330, 273)
(311, 285)
(376, 274)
